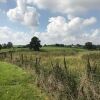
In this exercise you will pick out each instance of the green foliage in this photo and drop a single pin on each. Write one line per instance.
(90, 46)
(9, 45)
(35, 44)
(6, 46)
(0, 46)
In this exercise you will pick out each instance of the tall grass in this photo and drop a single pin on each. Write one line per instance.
(62, 85)
(62, 76)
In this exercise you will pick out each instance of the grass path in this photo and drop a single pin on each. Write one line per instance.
(16, 84)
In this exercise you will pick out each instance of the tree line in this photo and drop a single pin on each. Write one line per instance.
(87, 45)
(35, 44)
(8, 45)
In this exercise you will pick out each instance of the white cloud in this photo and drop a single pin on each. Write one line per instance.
(96, 33)
(24, 14)
(60, 30)
(67, 6)
(3, 1)
(93, 36)
(90, 21)
(8, 35)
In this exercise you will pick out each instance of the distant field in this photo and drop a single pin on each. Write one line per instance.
(61, 48)
(46, 49)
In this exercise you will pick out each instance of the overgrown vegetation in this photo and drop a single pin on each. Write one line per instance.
(61, 73)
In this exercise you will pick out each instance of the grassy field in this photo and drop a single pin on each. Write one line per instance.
(60, 73)
(16, 84)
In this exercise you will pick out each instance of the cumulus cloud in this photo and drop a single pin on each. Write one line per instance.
(90, 21)
(93, 36)
(67, 6)
(9, 35)
(25, 14)
(61, 30)
(96, 33)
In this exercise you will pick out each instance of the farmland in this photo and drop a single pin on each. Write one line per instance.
(49, 50)
(60, 73)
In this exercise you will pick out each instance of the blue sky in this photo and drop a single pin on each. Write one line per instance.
(61, 21)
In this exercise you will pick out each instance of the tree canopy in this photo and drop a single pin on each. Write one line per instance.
(35, 44)
(89, 46)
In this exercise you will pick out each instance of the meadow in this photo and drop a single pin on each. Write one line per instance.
(53, 73)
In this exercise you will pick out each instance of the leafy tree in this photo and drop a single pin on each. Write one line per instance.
(59, 45)
(35, 44)
(9, 45)
(78, 45)
(0, 46)
(89, 46)
(4, 45)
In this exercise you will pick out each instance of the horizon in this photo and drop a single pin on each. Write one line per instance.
(53, 44)
(62, 21)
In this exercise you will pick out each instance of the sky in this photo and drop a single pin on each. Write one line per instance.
(52, 21)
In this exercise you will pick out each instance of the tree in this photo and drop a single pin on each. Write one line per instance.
(59, 45)
(89, 46)
(78, 45)
(0, 46)
(9, 45)
(35, 44)
(4, 45)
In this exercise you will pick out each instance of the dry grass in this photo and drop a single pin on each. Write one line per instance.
(62, 76)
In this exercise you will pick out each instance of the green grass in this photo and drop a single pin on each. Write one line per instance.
(16, 84)
(62, 49)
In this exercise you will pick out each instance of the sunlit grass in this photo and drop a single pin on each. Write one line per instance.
(16, 84)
